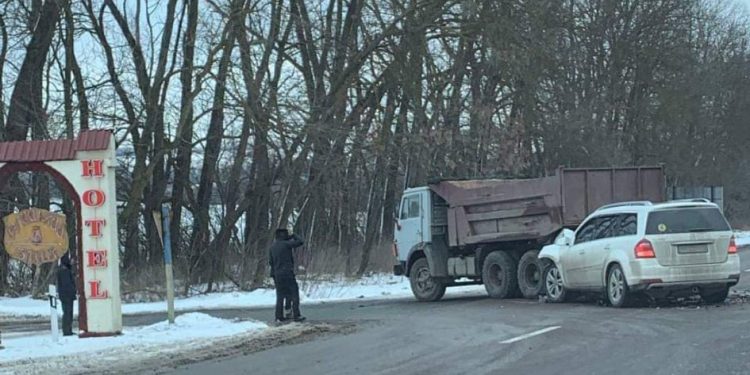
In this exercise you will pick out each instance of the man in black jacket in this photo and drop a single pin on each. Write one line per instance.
(281, 259)
(66, 289)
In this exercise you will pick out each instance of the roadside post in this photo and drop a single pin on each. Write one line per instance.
(162, 224)
(168, 264)
(52, 295)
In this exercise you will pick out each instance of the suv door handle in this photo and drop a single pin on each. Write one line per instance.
(607, 248)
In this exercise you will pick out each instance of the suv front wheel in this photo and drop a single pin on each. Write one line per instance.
(553, 284)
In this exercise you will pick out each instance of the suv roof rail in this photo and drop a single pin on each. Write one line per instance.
(623, 204)
(693, 200)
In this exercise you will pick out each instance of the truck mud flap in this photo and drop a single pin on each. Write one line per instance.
(398, 269)
(437, 258)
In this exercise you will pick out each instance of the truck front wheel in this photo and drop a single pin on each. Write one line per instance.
(423, 285)
(499, 274)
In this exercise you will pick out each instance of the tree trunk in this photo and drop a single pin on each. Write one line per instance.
(184, 137)
(26, 108)
(71, 66)
(200, 239)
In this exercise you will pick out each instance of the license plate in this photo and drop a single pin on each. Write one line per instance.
(692, 249)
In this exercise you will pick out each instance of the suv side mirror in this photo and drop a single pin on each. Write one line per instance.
(565, 238)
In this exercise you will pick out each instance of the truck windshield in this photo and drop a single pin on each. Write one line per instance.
(686, 220)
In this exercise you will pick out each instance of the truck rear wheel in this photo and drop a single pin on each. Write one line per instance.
(516, 292)
(530, 274)
(424, 287)
(499, 274)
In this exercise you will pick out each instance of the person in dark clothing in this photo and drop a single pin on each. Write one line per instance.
(66, 290)
(281, 259)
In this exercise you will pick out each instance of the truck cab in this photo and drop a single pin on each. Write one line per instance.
(412, 226)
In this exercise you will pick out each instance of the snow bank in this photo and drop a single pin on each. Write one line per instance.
(187, 328)
(336, 289)
(26, 306)
(742, 239)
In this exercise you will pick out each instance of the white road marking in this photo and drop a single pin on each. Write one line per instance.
(532, 334)
(747, 270)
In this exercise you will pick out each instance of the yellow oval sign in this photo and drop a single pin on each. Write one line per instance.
(35, 236)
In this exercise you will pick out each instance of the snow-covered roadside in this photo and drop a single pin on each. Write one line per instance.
(742, 238)
(336, 290)
(189, 330)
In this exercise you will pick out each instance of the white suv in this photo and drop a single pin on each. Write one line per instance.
(678, 248)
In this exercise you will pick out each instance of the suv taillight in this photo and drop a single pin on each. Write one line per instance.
(644, 250)
(732, 247)
(394, 250)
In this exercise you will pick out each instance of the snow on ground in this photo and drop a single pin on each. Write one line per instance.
(742, 238)
(336, 289)
(188, 328)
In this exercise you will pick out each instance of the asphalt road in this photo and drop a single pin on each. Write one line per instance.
(478, 335)
(483, 336)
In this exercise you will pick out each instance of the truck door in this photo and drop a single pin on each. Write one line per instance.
(409, 228)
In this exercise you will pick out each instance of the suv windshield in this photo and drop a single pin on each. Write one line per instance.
(686, 220)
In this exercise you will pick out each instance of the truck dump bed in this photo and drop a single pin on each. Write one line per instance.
(485, 211)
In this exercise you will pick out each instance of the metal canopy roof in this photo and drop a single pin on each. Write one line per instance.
(62, 149)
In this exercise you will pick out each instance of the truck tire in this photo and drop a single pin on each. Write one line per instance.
(516, 292)
(530, 274)
(499, 274)
(423, 286)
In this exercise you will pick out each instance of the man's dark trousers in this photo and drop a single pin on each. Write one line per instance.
(286, 287)
(67, 320)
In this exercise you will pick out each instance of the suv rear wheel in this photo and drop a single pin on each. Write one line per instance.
(618, 292)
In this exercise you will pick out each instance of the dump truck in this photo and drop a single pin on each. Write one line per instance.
(490, 231)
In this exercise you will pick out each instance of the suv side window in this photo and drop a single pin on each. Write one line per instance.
(586, 233)
(605, 227)
(410, 207)
(627, 225)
